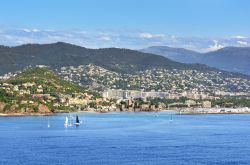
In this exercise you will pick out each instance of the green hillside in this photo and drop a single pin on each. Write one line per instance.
(61, 54)
(36, 90)
(43, 76)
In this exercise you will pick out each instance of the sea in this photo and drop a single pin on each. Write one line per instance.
(120, 138)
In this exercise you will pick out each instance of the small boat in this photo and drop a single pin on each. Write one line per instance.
(66, 124)
(70, 120)
(77, 123)
(48, 123)
(171, 118)
(156, 114)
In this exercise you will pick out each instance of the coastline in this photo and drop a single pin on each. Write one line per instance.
(24, 114)
(197, 111)
(183, 111)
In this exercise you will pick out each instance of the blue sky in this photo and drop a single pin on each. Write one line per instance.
(154, 22)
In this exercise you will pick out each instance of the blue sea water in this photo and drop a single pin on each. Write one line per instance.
(126, 138)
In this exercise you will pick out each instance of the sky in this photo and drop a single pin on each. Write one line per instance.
(201, 25)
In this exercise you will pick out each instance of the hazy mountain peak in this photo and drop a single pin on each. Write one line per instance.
(236, 59)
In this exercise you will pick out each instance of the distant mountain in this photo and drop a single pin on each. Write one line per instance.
(176, 54)
(233, 59)
(64, 54)
(61, 54)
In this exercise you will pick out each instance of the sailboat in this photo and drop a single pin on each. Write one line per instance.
(171, 118)
(48, 123)
(156, 114)
(66, 122)
(70, 119)
(77, 123)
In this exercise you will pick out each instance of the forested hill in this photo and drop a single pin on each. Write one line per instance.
(232, 59)
(61, 54)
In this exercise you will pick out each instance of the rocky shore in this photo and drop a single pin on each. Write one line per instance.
(244, 110)
(182, 111)
(24, 114)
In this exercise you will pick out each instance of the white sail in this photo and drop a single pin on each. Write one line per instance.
(66, 122)
(48, 123)
(70, 119)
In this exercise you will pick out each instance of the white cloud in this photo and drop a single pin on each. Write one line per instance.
(150, 35)
(8, 37)
(242, 43)
(35, 30)
(31, 30)
(103, 36)
(215, 46)
(239, 37)
(146, 35)
(27, 30)
(132, 39)
(106, 38)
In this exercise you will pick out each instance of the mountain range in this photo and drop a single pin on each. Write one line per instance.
(233, 59)
(61, 54)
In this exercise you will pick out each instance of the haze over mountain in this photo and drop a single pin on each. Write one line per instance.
(62, 54)
(233, 59)
(176, 54)
(236, 59)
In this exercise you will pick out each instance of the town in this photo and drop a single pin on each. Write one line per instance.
(161, 80)
(93, 88)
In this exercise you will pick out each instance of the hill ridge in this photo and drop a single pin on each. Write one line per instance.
(233, 59)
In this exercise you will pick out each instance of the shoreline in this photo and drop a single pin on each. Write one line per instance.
(24, 114)
(200, 111)
(184, 111)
